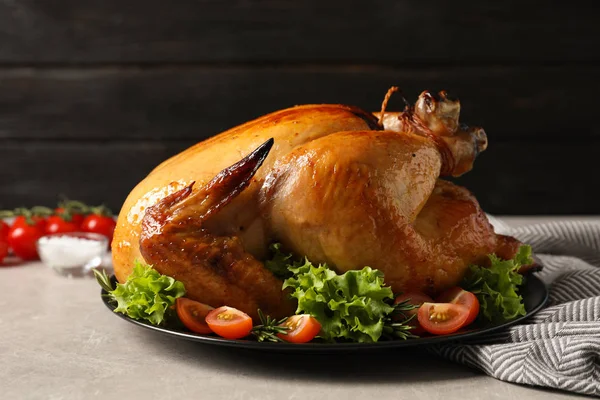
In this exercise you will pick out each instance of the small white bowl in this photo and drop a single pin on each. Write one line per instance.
(72, 254)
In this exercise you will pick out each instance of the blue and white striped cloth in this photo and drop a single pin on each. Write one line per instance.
(559, 347)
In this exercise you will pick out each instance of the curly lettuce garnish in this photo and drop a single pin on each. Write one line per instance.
(350, 306)
(279, 262)
(146, 295)
(354, 306)
(496, 287)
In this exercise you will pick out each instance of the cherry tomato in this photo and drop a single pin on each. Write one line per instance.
(302, 329)
(229, 322)
(416, 299)
(442, 318)
(3, 249)
(101, 224)
(22, 237)
(39, 222)
(457, 295)
(193, 314)
(56, 224)
(3, 230)
(75, 218)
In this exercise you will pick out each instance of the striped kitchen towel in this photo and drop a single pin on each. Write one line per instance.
(559, 347)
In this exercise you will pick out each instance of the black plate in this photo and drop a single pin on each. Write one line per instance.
(534, 294)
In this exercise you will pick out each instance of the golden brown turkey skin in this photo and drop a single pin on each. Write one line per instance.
(335, 187)
(216, 270)
(202, 162)
(355, 199)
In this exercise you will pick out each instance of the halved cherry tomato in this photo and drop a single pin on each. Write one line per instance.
(193, 314)
(442, 318)
(22, 237)
(457, 295)
(416, 299)
(302, 329)
(104, 225)
(56, 224)
(229, 322)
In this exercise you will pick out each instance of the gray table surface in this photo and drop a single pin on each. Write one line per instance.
(58, 341)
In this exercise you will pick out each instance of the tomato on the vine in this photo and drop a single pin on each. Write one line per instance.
(4, 228)
(56, 224)
(23, 235)
(69, 216)
(37, 221)
(102, 224)
(3, 249)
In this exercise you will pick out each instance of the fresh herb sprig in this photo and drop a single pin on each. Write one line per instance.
(103, 280)
(397, 325)
(269, 328)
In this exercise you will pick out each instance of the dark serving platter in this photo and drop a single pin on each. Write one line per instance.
(534, 292)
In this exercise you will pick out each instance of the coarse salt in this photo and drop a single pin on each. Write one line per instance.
(69, 251)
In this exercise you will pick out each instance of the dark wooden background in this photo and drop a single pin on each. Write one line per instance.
(95, 93)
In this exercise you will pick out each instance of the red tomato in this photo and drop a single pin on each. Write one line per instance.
(101, 224)
(416, 299)
(3, 249)
(193, 314)
(77, 219)
(22, 237)
(229, 322)
(3, 230)
(457, 295)
(442, 318)
(39, 222)
(56, 224)
(302, 329)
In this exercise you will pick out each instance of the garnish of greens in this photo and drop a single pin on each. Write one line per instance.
(146, 295)
(496, 286)
(269, 328)
(397, 324)
(354, 306)
(279, 262)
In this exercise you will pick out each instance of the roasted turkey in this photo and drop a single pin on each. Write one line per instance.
(330, 182)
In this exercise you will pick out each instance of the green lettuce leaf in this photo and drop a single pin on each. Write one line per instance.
(497, 287)
(146, 295)
(279, 262)
(349, 306)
